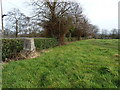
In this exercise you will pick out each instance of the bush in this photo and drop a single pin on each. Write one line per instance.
(70, 39)
(45, 43)
(11, 47)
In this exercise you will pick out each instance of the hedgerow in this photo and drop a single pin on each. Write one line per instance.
(11, 47)
(70, 39)
(45, 43)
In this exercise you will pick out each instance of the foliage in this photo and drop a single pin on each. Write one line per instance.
(45, 43)
(56, 17)
(10, 47)
(83, 64)
(70, 39)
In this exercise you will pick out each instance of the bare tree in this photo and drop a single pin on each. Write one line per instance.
(114, 33)
(15, 17)
(104, 33)
(83, 28)
(55, 17)
(77, 19)
(93, 30)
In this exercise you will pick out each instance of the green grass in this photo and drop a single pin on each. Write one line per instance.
(83, 64)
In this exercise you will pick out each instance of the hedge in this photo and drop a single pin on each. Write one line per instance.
(11, 47)
(45, 43)
(70, 39)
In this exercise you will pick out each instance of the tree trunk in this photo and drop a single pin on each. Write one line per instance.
(78, 36)
(61, 40)
(16, 28)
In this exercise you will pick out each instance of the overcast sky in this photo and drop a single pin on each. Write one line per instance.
(103, 13)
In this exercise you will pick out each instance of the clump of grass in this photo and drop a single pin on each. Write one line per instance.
(104, 70)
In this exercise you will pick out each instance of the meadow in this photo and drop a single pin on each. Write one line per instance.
(83, 64)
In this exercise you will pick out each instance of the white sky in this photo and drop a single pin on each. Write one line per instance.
(103, 13)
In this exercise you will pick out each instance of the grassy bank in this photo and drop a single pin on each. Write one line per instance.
(83, 64)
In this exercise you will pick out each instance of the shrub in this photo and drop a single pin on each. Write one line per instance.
(11, 47)
(45, 43)
(70, 39)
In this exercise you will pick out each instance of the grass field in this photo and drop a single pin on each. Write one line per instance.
(82, 64)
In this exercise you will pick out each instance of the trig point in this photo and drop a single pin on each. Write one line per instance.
(29, 44)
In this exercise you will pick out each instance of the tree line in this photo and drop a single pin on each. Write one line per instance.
(52, 18)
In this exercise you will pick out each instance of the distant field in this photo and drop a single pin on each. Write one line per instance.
(83, 64)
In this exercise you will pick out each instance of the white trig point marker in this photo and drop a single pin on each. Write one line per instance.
(29, 44)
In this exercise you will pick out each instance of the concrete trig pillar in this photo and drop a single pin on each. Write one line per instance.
(29, 44)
